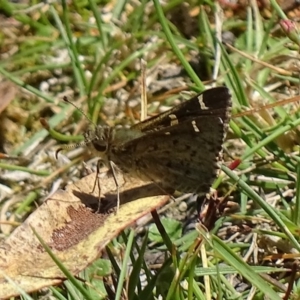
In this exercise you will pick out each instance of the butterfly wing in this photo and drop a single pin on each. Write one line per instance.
(183, 156)
(213, 102)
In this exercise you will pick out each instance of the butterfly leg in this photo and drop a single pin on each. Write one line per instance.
(97, 181)
(113, 168)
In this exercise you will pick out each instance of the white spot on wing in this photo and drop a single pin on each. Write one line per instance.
(202, 104)
(196, 129)
(174, 120)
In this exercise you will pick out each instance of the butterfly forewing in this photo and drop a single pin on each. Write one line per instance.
(213, 102)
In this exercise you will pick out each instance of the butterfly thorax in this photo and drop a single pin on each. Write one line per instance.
(103, 139)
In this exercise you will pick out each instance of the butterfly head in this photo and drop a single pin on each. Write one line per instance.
(98, 139)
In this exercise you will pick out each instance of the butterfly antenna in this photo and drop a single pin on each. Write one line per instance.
(68, 147)
(79, 109)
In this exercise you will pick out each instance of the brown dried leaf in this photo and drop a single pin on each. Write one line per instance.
(75, 233)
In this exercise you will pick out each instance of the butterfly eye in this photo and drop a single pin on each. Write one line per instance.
(100, 146)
